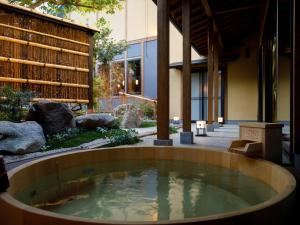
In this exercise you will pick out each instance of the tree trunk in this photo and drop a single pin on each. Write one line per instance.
(105, 78)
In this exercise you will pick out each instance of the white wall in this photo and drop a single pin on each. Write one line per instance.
(137, 20)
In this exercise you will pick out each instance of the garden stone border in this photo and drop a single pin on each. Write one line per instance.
(90, 145)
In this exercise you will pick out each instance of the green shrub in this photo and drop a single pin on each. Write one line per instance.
(14, 104)
(173, 130)
(102, 130)
(74, 137)
(122, 137)
(148, 110)
(116, 124)
(71, 137)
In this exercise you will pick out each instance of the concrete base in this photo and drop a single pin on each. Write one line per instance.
(163, 142)
(187, 138)
(212, 127)
(216, 125)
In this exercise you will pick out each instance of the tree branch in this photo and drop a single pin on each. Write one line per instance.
(37, 4)
(90, 5)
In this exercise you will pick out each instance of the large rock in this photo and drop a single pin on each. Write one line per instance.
(131, 119)
(92, 121)
(21, 138)
(120, 110)
(53, 117)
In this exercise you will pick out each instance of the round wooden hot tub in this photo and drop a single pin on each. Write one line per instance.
(271, 211)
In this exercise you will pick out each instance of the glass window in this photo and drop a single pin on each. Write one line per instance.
(134, 77)
(120, 56)
(134, 51)
(117, 78)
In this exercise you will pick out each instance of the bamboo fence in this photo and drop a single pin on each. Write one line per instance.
(45, 55)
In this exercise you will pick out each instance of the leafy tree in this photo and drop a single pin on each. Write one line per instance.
(66, 6)
(105, 49)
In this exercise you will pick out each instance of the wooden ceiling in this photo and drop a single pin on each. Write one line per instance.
(235, 20)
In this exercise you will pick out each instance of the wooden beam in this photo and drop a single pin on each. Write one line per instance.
(43, 34)
(207, 8)
(49, 65)
(163, 36)
(19, 41)
(210, 14)
(63, 100)
(186, 76)
(223, 90)
(260, 101)
(178, 12)
(210, 72)
(216, 78)
(42, 82)
(238, 9)
(263, 21)
(199, 29)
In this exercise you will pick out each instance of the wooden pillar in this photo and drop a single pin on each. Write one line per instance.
(268, 83)
(186, 76)
(295, 83)
(163, 73)
(223, 90)
(91, 74)
(186, 137)
(210, 72)
(216, 78)
(260, 86)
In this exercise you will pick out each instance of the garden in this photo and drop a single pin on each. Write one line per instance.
(41, 115)
(45, 126)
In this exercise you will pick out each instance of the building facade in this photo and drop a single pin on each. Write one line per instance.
(136, 23)
(238, 96)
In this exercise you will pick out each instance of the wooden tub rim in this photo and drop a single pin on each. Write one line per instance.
(288, 190)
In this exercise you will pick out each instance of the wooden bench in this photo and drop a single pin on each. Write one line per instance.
(262, 140)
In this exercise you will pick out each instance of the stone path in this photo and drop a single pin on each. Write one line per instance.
(220, 139)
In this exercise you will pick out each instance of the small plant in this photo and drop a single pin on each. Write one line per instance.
(102, 130)
(116, 124)
(148, 110)
(55, 140)
(97, 92)
(172, 130)
(14, 104)
(122, 137)
(75, 137)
